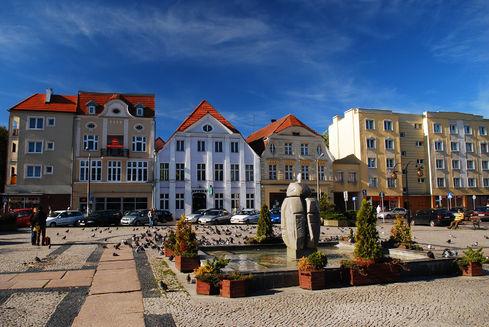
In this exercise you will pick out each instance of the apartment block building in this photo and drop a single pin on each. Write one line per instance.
(40, 157)
(415, 160)
(288, 147)
(205, 164)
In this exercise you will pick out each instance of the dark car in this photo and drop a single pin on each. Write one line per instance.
(275, 215)
(433, 217)
(482, 212)
(163, 216)
(467, 212)
(101, 218)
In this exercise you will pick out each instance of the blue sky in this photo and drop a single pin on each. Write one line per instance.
(253, 60)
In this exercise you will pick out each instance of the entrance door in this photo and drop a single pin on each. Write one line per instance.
(199, 201)
(276, 199)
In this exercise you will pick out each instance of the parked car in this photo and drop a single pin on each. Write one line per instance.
(63, 218)
(246, 216)
(433, 217)
(101, 218)
(215, 216)
(482, 212)
(22, 217)
(275, 215)
(467, 212)
(136, 218)
(163, 216)
(388, 214)
(194, 216)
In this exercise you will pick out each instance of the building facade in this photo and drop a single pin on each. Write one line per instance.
(114, 151)
(40, 156)
(288, 147)
(207, 163)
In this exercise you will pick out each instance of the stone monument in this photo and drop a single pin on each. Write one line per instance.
(300, 221)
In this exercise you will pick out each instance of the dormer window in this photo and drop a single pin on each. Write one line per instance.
(91, 109)
(139, 111)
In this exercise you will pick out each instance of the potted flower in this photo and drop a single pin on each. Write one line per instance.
(186, 249)
(209, 275)
(369, 266)
(311, 271)
(235, 285)
(471, 262)
(169, 244)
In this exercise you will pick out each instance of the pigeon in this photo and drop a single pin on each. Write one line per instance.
(447, 253)
(171, 258)
(475, 244)
(486, 237)
(451, 236)
(430, 255)
(117, 246)
(449, 241)
(115, 254)
(163, 286)
(93, 235)
(66, 231)
(37, 259)
(57, 234)
(49, 246)
(430, 247)
(64, 237)
(188, 278)
(104, 246)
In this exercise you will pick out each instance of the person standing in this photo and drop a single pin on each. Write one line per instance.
(42, 224)
(151, 217)
(35, 225)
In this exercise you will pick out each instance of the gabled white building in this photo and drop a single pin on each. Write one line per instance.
(207, 163)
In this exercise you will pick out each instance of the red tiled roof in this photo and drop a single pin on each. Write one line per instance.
(58, 103)
(159, 144)
(132, 100)
(203, 109)
(276, 127)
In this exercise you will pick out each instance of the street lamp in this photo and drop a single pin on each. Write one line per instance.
(317, 174)
(419, 172)
(89, 179)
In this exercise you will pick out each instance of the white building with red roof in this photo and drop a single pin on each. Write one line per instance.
(206, 164)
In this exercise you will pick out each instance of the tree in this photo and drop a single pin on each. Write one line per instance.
(265, 227)
(367, 241)
(326, 138)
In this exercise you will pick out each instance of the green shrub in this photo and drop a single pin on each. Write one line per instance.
(401, 232)
(185, 239)
(351, 215)
(472, 255)
(367, 241)
(170, 240)
(265, 227)
(315, 261)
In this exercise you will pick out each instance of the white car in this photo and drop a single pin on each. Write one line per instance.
(246, 216)
(194, 216)
(63, 218)
(388, 214)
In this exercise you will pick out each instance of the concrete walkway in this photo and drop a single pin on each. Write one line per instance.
(115, 297)
(47, 279)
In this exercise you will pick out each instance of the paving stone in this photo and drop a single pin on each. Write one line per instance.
(109, 265)
(37, 283)
(5, 285)
(39, 275)
(115, 309)
(69, 282)
(86, 273)
(6, 277)
(125, 254)
(111, 281)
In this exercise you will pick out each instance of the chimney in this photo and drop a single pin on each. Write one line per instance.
(49, 93)
(273, 120)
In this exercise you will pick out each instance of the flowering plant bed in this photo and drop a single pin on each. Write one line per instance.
(206, 288)
(209, 275)
(471, 262)
(186, 264)
(473, 269)
(311, 271)
(369, 272)
(233, 288)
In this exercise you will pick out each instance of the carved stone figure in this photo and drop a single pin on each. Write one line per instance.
(300, 221)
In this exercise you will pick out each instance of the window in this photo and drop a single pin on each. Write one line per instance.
(234, 172)
(201, 172)
(235, 204)
(438, 145)
(36, 123)
(51, 121)
(207, 128)
(437, 128)
(454, 146)
(482, 131)
(483, 148)
(403, 153)
(50, 146)
(373, 182)
(164, 171)
(250, 200)
(180, 171)
(419, 162)
(33, 171)
(371, 143)
(456, 182)
(83, 170)
(417, 126)
(453, 129)
(390, 162)
(179, 201)
(485, 165)
(165, 201)
(455, 164)
(304, 149)
(201, 146)
(96, 166)
(219, 200)
(289, 172)
(137, 127)
(440, 164)
(470, 165)
(402, 134)
(391, 182)
(249, 172)
(234, 147)
(421, 180)
(305, 172)
(388, 125)
(471, 182)
(91, 109)
(218, 172)
(288, 149)
(139, 143)
(322, 175)
(114, 171)
(180, 145)
(90, 142)
(389, 144)
(272, 148)
(48, 170)
(218, 146)
(352, 177)
(469, 147)
(485, 182)
(34, 147)
(137, 171)
(272, 172)
(468, 130)
(440, 182)
(372, 162)
(369, 124)
(139, 111)
(339, 177)
(419, 144)
(14, 147)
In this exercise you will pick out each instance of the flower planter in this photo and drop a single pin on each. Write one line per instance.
(186, 264)
(204, 288)
(473, 269)
(168, 252)
(312, 280)
(377, 273)
(233, 288)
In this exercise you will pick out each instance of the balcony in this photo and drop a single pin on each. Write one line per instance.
(114, 152)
